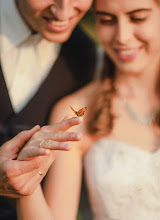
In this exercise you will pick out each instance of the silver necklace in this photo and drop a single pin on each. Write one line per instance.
(145, 120)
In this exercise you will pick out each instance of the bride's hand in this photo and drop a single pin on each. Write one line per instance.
(51, 138)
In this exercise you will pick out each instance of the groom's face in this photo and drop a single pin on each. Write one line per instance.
(54, 19)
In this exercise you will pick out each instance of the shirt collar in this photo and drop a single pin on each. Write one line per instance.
(12, 24)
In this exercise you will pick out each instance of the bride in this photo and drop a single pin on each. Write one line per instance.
(121, 129)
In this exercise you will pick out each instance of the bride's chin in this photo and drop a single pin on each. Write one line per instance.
(129, 69)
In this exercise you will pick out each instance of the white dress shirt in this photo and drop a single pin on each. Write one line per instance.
(25, 58)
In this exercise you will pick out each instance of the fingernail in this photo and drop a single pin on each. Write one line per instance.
(45, 151)
(66, 145)
(77, 118)
(76, 135)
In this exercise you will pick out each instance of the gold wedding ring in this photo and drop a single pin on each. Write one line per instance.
(40, 173)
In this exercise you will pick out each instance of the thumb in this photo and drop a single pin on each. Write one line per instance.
(16, 143)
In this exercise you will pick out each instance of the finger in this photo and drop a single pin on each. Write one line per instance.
(28, 182)
(18, 168)
(66, 124)
(54, 145)
(63, 125)
(42, 148)
(24, 185)
(31, 152)
(61, 136)
(20, 139)
(66, 136)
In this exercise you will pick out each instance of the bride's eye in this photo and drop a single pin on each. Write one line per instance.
(107, 20)
(138, 17)
(137, 20)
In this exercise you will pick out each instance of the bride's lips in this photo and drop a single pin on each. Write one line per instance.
(127, 54)
(56, 25)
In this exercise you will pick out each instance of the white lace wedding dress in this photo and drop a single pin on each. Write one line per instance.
(123, 181)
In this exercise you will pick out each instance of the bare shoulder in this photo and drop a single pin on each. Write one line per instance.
(76, 100)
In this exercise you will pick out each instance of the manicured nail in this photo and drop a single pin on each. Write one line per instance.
(76, 135)
(78, 119)
(66, 145)
(45, 151)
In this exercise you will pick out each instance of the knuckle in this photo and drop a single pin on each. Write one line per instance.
(28, 192)
(9, 172)
(60, 145)
(25, 191)
(60, 134)
(18, 186)
(22, 187)
(71, 135)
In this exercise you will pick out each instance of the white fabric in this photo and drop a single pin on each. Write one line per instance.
(25, 58)
(123, 181)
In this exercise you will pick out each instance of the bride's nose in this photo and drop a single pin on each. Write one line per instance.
(123, 32)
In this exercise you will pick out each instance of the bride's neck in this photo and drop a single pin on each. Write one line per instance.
(137, 83)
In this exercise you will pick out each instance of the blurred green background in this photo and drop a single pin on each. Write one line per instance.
(88, 23)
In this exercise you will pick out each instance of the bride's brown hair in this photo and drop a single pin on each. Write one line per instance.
(100, 117)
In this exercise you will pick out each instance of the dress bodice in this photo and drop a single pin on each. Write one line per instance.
(123, 181)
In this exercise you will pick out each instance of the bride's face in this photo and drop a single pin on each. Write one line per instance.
(130, 32)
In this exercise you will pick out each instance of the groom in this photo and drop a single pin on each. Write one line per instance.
(36, 69)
